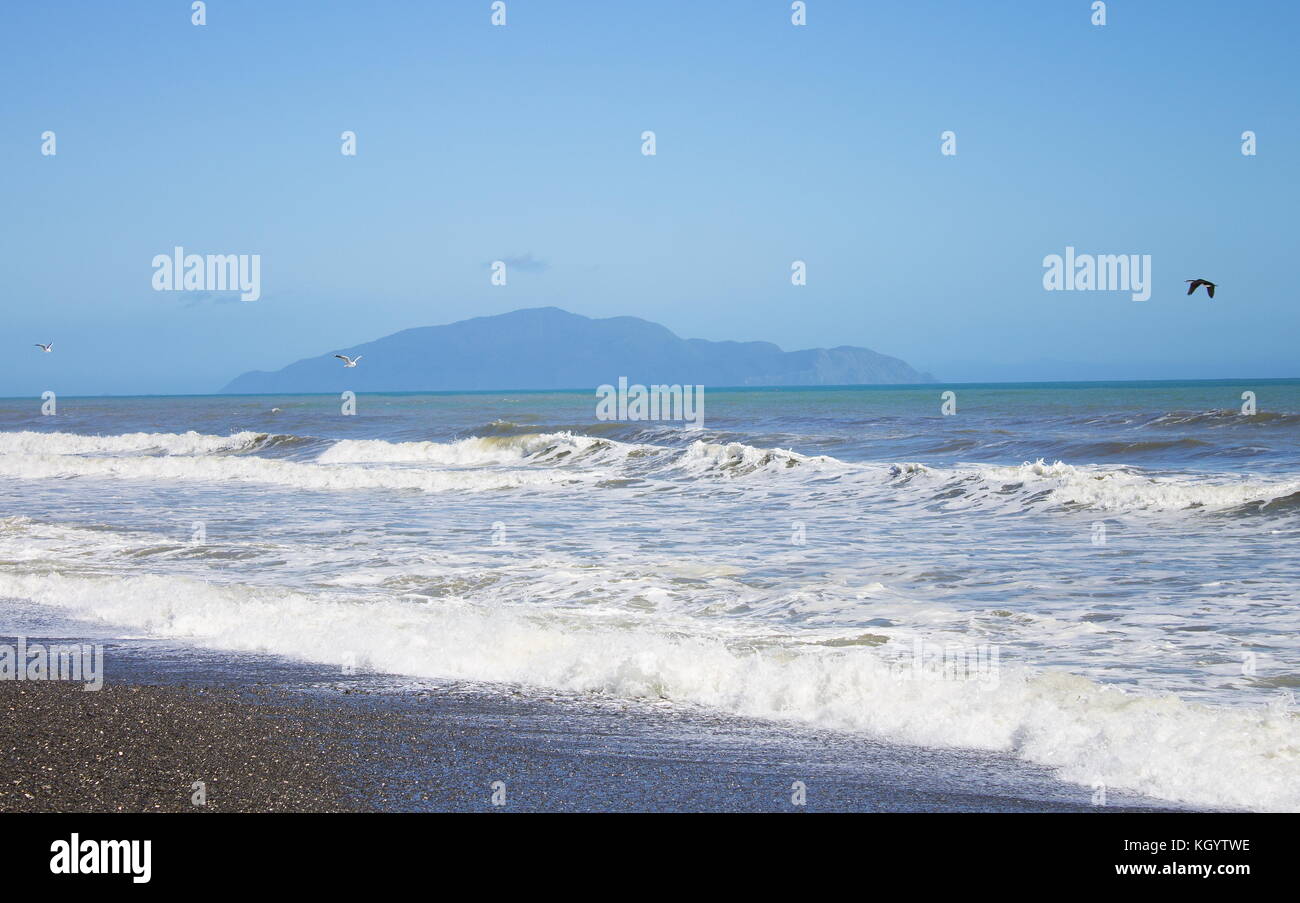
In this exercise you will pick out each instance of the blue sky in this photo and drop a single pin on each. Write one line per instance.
(775, 143)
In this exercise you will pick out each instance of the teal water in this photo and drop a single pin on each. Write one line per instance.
(1160, 423)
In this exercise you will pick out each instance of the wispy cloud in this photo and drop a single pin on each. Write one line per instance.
(524, 263)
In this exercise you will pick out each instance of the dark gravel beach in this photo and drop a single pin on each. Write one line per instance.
(142, 748)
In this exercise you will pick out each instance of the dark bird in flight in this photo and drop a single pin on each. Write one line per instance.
(1194, 284)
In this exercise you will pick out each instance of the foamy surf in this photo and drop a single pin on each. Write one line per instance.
(1161, 746)
(290, 474)
(522, 460)
(1096, 488)
(189, 443)
(474, 451)
(777, 564)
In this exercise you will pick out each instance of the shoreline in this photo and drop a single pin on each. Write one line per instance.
(269, 734)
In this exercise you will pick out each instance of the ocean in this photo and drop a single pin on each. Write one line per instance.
(1098, 579)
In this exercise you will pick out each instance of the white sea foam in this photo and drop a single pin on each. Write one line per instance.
(1161, 746)
(497, 462)
(465, 452)
(1114, 489)
(736, 458)
(280, 473)
(190, 443)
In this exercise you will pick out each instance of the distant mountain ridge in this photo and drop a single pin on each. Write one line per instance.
(550, 348)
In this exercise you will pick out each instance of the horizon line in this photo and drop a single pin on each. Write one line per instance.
(803, 388)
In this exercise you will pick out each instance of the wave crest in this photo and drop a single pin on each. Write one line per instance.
(190, 443)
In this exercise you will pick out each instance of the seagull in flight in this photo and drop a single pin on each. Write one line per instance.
(348, 361)
(1194, 284)
(47, 348)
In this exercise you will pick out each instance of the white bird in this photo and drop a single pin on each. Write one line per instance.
(46, 348)
(348, 361)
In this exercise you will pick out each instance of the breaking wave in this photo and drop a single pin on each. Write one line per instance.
(1087, 733)
(511, 449)
(191, 443)
(1094, 488)
(564, 458)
